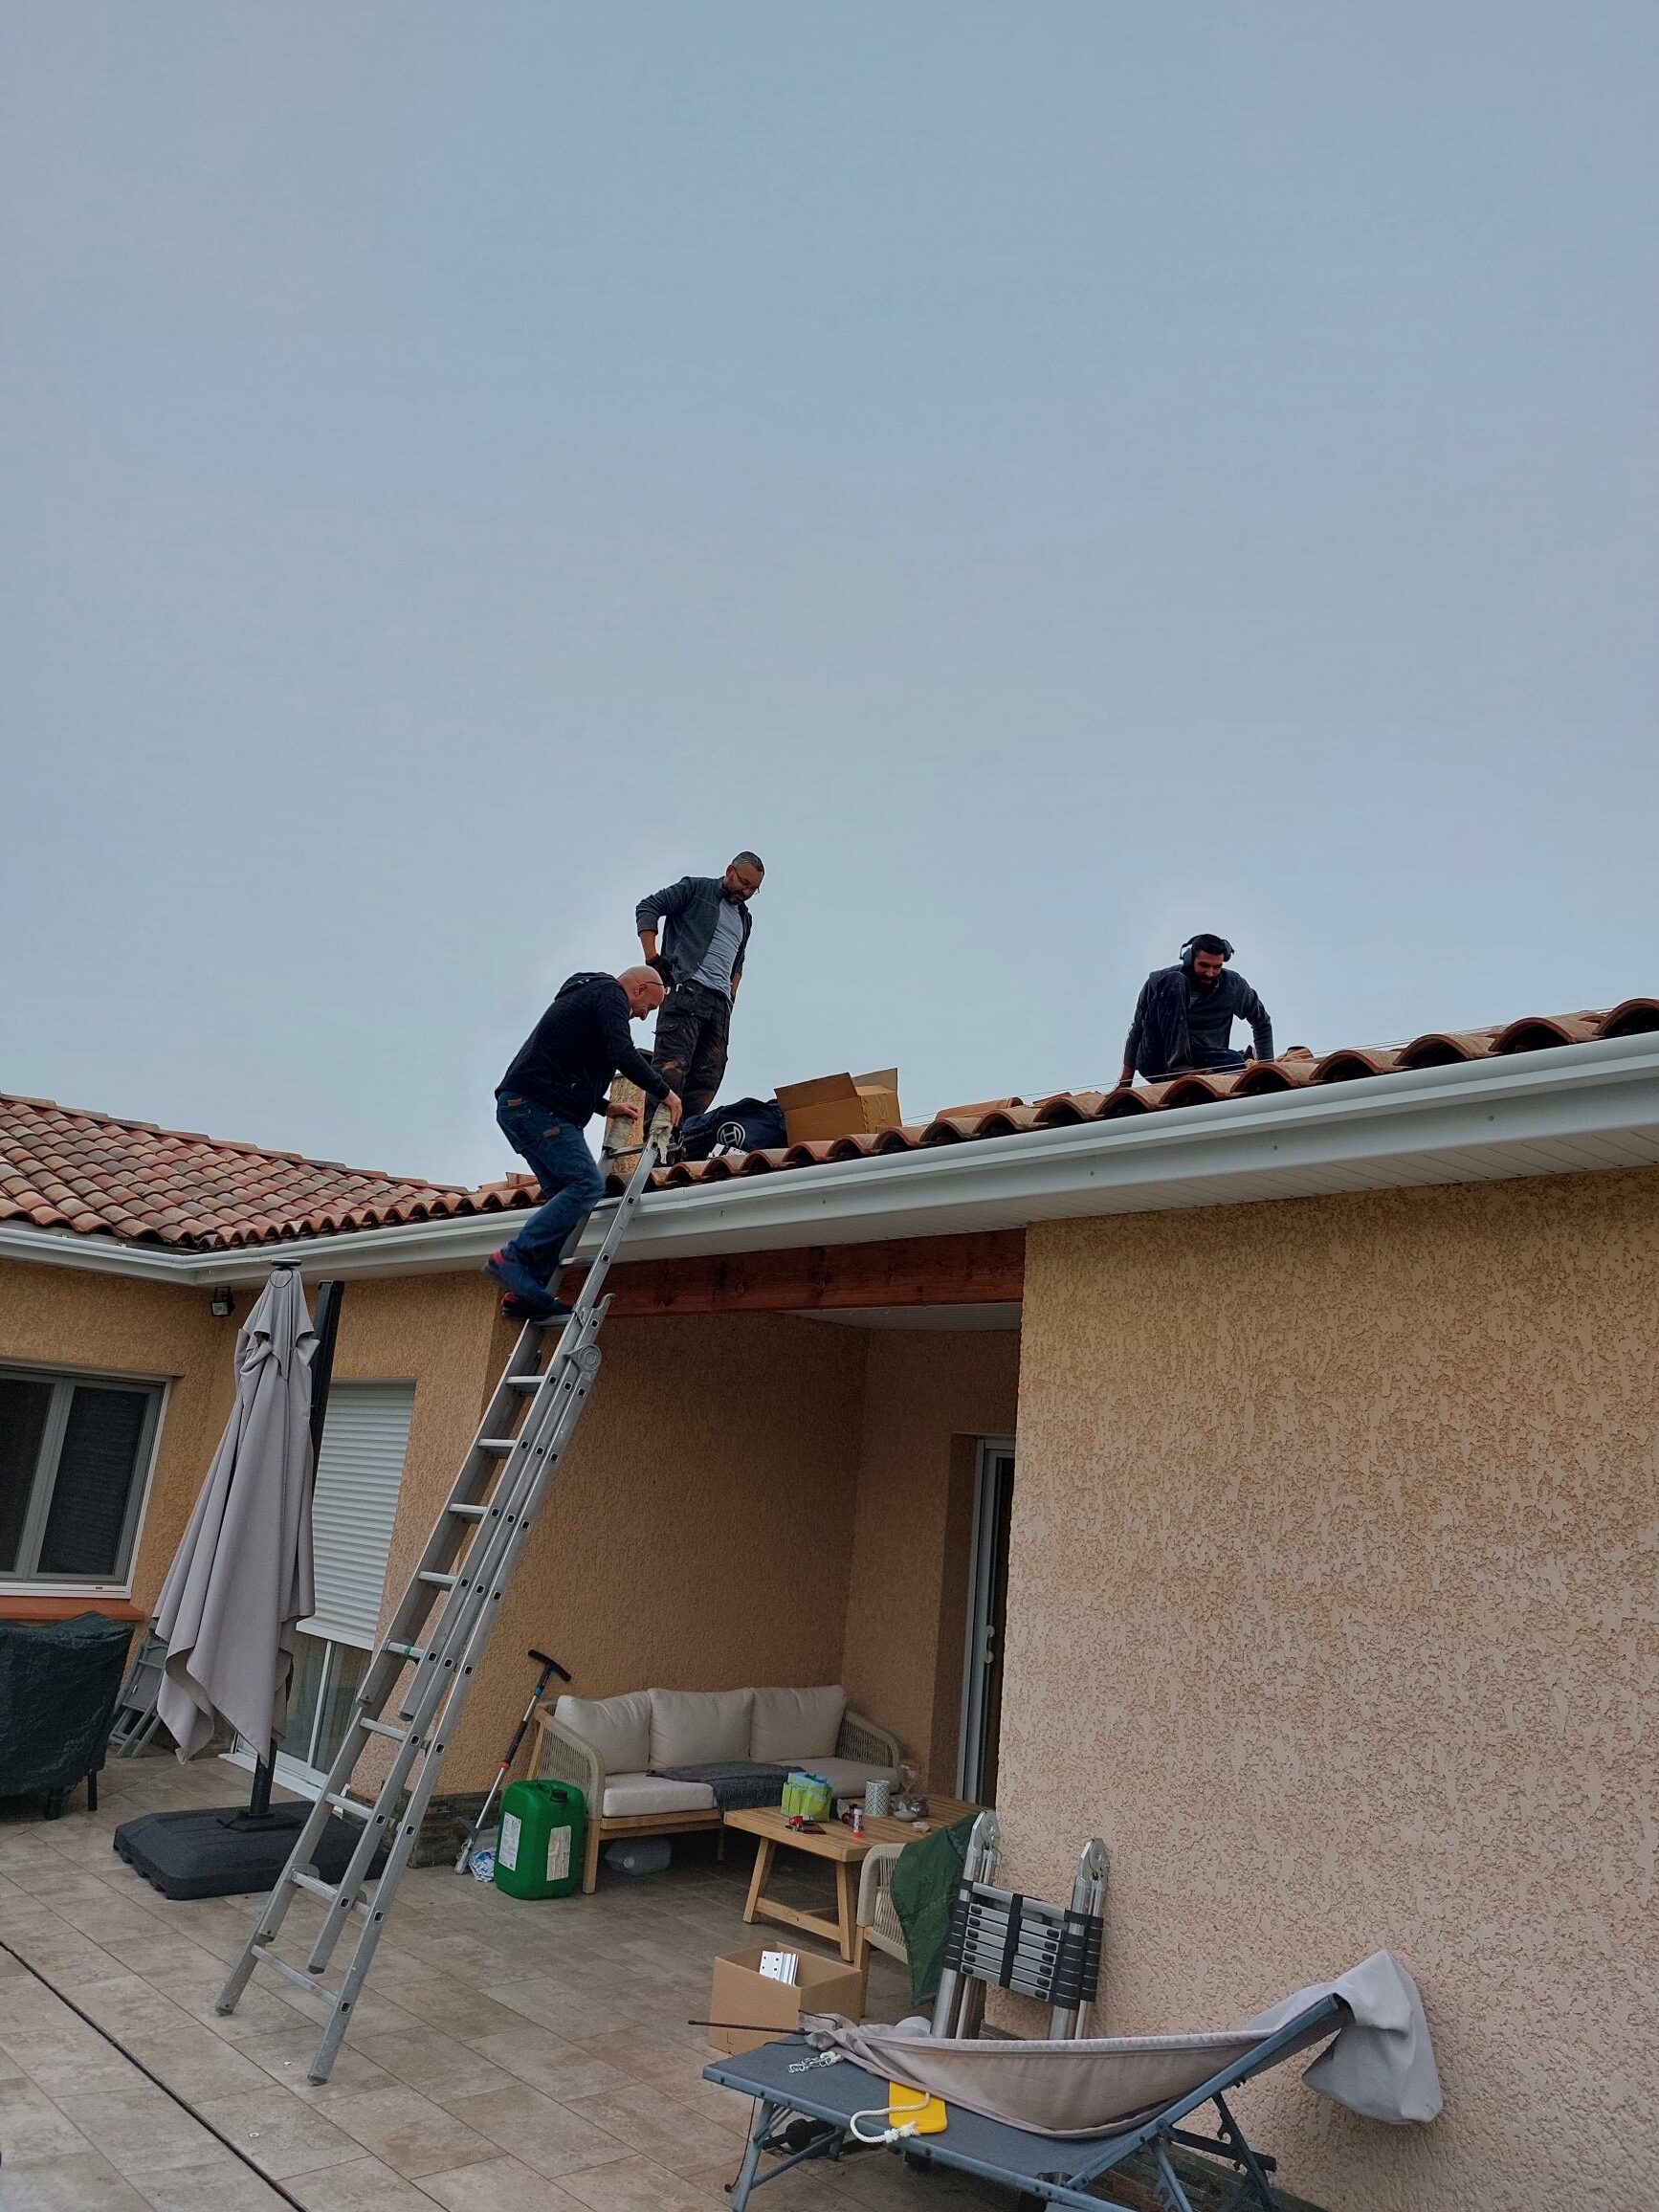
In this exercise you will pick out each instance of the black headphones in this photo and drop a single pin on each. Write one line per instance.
(1189, 954)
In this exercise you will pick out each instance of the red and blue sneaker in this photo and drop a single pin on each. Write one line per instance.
(532, 1303)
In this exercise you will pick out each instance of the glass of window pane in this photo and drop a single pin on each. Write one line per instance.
(96, 1468)
(310, 1659)
(23, 1410)
(344, 1678)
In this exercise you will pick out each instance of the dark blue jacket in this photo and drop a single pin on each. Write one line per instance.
(1178, 1024)
(690, 909)
(568, 1060)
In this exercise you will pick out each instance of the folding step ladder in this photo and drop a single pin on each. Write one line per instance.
(427, 1663)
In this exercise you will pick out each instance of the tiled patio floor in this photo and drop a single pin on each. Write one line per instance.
(508, 2057)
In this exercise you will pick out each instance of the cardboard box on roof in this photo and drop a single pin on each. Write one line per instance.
(754, 2010)
(840, 1106)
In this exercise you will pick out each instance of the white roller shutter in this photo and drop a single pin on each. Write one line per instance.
(358, 1472)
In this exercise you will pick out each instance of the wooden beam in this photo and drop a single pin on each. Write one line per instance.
(923, 1270)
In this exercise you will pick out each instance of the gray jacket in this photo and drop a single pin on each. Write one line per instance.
(689, 909)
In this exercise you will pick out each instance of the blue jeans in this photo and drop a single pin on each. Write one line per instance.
(571, 1183)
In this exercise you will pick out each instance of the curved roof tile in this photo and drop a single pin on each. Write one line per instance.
(105, 1175)
(1352, 1064)
(1630, 1018)
(1536, 1032)
(1443, 1048)
(100, 1174)
(1066, 1111)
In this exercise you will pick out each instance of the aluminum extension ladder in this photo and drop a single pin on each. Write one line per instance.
(466, 1566)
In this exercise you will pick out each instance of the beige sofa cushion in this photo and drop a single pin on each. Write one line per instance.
(697, 1727)
(629, 1795)
(791, 1725)
(618, 1728)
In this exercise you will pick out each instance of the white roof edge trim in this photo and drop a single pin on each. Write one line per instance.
(1400, 1127)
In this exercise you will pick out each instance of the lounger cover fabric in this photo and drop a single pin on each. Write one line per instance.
(1097, 2086)
(1378, 2063)
(1381, 2063)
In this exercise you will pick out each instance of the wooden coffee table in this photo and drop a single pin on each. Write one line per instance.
(845, 1851)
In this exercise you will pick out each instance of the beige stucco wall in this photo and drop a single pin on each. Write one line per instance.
(1334, 1609)
(750, 1497)
(927, 1396)
(699, 1531)
(64, 1317)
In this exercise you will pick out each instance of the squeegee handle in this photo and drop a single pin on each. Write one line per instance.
(550, 1667)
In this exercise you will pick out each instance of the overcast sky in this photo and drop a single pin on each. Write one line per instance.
(1047, 478)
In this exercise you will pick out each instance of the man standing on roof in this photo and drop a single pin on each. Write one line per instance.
(1185, 1015)
(555, 1085)
(702, 961)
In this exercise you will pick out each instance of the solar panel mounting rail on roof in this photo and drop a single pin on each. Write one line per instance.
(429, 1654)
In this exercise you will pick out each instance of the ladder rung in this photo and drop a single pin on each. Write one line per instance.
(327, 1892)
(306, 1982)
(544, 1403)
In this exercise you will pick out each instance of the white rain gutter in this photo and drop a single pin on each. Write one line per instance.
(1570, 1109)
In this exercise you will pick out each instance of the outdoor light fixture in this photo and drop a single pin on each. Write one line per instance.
(224, 1302)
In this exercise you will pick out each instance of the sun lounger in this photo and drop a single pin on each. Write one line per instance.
(1183, 2073)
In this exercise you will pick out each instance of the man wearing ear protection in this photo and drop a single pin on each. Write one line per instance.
(1185, 1015)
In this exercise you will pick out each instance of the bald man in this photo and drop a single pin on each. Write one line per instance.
(555, 1085)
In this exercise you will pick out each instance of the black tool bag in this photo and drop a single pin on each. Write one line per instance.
(745, 1125)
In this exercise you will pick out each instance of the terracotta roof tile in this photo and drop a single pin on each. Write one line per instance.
(1443, 1048)
(1355, 1062)
(858, 1148)
(1630, 1019)
(1294, 1069)
(99, 1176)
(1537, 1033)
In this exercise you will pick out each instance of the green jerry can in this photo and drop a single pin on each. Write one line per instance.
(538, 1847)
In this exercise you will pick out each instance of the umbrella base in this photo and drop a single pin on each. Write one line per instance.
(228, 1851)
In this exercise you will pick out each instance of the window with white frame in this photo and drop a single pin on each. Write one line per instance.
(75, 1455)
(359, 1472)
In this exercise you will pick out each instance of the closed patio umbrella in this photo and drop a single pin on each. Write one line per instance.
(234, 1597)
(242, 1578)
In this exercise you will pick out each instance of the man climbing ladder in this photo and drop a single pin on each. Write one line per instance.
(553, 1088)
(428, 1660)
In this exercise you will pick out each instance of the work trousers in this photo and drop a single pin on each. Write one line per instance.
(693, 1038)
(571, 1183)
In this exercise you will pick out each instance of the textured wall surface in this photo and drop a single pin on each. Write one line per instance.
(927, 1395)
(702, 1529)
(699, 1531)
(66, 1318)
(1333, 1608)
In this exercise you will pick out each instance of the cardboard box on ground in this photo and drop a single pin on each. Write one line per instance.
(743, 1994)
(833, 1106)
